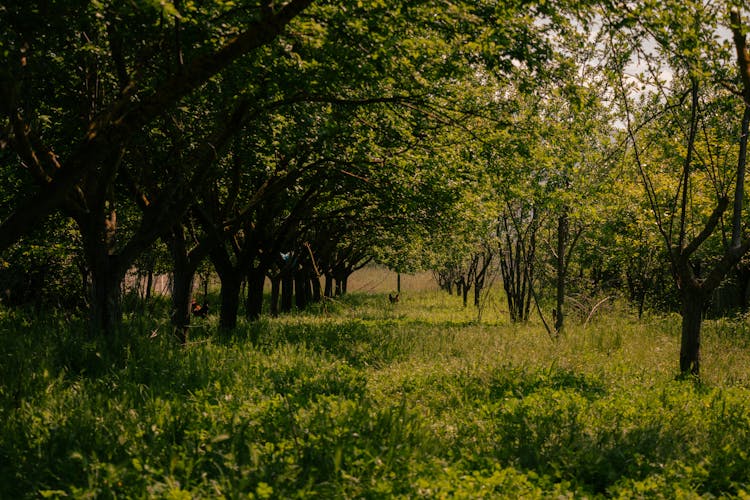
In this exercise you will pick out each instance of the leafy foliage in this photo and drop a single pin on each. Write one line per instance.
(45, 270)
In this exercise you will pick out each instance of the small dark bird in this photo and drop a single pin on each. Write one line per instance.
(393, 298)
(198, 310)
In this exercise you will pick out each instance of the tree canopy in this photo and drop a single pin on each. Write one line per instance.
(297, 140)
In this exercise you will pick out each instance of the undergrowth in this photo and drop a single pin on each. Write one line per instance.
(365, 399)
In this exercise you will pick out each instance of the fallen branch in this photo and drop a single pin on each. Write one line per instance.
(593, 310)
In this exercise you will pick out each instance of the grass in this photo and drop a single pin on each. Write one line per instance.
(361, 399)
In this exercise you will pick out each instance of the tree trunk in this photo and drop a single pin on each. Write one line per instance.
(465, 287)
(231, 285)
(561, 268)
(83, 268)
(307, 280)
(511, 307)
(182, 296)
(479, 284)
(480, 276)
(106, 273)
(106, 312)
(230, 300)
(287, 291)
(692, 316)
(275, 290)
(527, 301)
(328, 288)
(740, 187)
(254, 305)
(149, 284)
(300, 289)
(182, 285)
(516, 274)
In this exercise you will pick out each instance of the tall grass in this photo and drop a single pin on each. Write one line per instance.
(362, 398)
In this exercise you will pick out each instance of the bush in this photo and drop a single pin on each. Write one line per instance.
(45, 270)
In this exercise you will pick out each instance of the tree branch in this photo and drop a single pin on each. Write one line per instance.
(111, 130)
(708, 229)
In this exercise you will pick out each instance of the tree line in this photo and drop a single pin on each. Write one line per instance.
(579, 149)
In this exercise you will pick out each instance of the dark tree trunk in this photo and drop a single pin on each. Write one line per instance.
(255, 282)
(742, 275)
(517, 273)
(149, 284)
(231, 284)
(275, 289)
(182, 284)
(692, 316)
(230, 300)
(511, 306)
(517, 246)
(85, 281)
(182, 296)
(328, 288)
(561, 268)
(478, 285)
(486, 258)
(300, 289)
(287, 292)
(106, 312)
(106, 274)
(527, 306)
(740, 187)
(308, 288)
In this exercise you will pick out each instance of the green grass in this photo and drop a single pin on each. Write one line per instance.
(361, 399)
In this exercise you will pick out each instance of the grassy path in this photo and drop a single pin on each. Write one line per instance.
(363, 399)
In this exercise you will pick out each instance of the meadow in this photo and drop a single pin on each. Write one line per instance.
(363, 399)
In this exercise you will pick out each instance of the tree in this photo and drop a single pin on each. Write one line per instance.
(124, 116)
(693, 108)
(72, 138)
